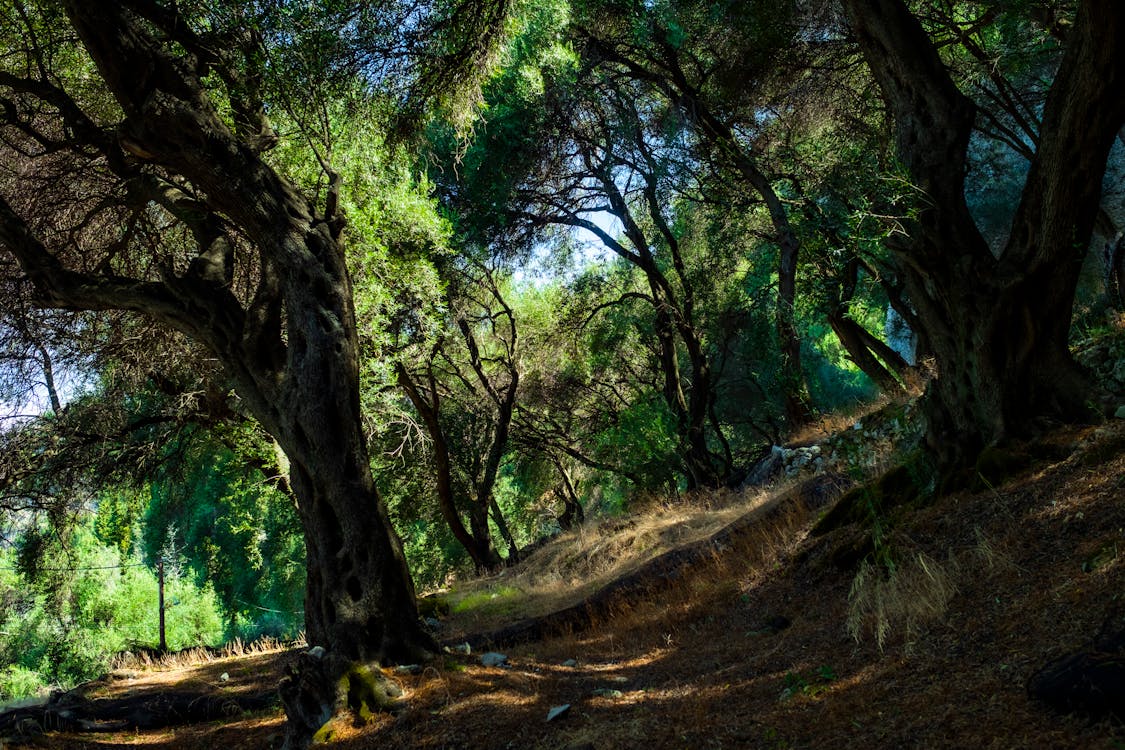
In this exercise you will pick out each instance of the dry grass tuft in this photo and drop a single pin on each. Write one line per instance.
(151, 659)
(917, 594)
(912, 597)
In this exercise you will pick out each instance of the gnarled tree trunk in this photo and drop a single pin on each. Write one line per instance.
(289, 347)
(878, 361)
(997, 324)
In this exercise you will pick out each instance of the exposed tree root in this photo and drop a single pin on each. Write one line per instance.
(71, 712)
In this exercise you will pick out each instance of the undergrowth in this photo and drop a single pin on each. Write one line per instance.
(914, 595)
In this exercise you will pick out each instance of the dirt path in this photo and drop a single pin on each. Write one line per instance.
(752, 648)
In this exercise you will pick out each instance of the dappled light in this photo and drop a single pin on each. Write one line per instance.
(562, 375)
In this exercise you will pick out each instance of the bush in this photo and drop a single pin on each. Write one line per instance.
(18, 682)
(65, 624)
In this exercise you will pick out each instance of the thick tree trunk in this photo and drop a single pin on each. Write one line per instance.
(1005, 369)
(572, 514)
(798, 409)
(998, 326)
(705, 467)
(302, 386)
(482, 537)
(360, 598)
(877, 360)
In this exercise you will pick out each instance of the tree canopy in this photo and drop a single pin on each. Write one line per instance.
(371, 293)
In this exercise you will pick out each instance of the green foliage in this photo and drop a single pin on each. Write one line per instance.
(809, 684)
(18, 682)
(86, 603)
(233, 530)
(473, 228)
(493, 600)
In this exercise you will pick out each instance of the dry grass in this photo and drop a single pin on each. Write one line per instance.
(915, 595)
(1007, 579)
(836, 422)
(149, 660)
(910, 597)
(578, 563)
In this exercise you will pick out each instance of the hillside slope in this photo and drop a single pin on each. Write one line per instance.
(770, 642)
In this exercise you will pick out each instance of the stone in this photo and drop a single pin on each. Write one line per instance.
(767, 469)
(608, 693)
(408, 669)
(224, 677)
(461, 648)
(570, 663)
(1120, 413)
(1088, 683)
(493, 659)
(557, 711)
(432, 623)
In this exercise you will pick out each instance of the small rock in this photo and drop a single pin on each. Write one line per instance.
(557, 711)
(224, 677)
(493, 659)
(408, 669)
(1120, 413)
(461, 648)
(432, 623)
(570, 663)
(618, 679)
(608, 693)
(766, 469)
(316, 652)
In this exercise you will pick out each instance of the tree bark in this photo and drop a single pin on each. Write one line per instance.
(877, 360)
(573, 514)
(303, 386)
(998, 326)
(475, 540)
(1114, 258)
(855, 344)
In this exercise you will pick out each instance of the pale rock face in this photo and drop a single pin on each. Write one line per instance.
(899, 336)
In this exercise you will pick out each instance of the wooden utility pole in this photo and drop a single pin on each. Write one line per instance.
(160, 587)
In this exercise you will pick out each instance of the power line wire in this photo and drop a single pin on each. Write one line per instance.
(78, 570)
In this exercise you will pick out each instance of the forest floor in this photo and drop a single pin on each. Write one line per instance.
(772, 641)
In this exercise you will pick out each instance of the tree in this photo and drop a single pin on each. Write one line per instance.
(673, 50)
(466, 400)
(174, 211)
(612, 160)
(997, 322)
